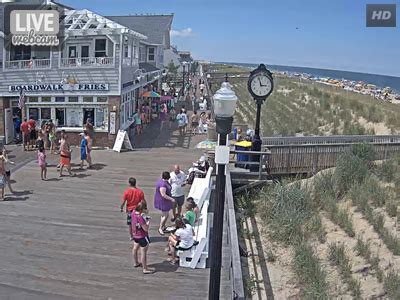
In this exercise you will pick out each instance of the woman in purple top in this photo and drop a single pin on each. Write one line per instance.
(163, 200)
(163, 114)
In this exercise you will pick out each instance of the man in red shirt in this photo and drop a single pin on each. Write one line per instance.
(25, 134)
(132, 197)
(32, 134)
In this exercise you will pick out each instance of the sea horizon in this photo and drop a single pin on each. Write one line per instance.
(376, 79)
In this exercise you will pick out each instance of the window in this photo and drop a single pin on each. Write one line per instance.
(151, 55)
(100, 48)
(22, 52)
(46, 99)
(102, 99)
(126, 51)
(87, 99)
(34, 113)
(88, 113)
(60, 99)
(45, 113)
(73, 99)
(100, 117)
(60, 116)
(32, 99)
(142, 54)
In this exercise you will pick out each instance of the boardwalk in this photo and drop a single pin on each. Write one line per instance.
(66, 238)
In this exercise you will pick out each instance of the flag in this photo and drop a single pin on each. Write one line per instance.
(21, 102)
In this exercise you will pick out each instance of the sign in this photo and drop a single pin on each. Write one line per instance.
(122, 139)
(381, 15)
(59, 87)
(34, 27)
(112, 122)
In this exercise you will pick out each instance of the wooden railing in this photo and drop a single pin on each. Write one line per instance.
(88, 62)
(28, 64)
(235, 266)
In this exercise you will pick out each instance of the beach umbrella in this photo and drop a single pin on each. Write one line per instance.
(206, 145)
(166, 98)
(151, 94)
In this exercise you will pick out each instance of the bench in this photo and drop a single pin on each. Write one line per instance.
(197, 256)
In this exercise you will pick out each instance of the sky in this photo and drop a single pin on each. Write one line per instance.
(310, 33)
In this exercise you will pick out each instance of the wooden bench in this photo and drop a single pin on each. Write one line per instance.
(197, 256)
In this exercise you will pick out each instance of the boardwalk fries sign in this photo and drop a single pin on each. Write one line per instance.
(34, 27)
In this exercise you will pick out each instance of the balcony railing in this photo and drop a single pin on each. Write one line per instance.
(90, 62)
(28, 64)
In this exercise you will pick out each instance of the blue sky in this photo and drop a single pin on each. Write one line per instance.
(331, 33)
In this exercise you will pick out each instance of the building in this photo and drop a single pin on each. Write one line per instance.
(99, 71)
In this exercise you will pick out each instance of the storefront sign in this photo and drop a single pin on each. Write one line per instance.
(59, 87)
(122, 139)
(112, 122)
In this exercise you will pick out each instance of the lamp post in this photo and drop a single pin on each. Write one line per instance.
(183, 78)
(224, 108)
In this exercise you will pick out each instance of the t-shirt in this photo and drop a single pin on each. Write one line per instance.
(182, 119)
(191, 217)
(32, 124)
(185, 236)
(41, 159)
(137, 230)
(40, 143)
(83, 146)
(133, 197)
(176, 181)
(25, 127)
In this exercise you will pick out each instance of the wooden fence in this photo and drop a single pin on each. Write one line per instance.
(334, 139)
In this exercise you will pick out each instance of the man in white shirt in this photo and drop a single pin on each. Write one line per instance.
(177, 181)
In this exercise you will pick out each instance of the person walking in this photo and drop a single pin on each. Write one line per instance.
(42, 163)
(2, 177)
(89, 128)
(132, 197)
(138, 123)
(84, 150)
(163, 200)
(140, 231)
(17, 127)
(65, 156)
(182, 120)
(52, 136)
(177, 181)
(194, 122)
(25, 134)
(7, 168)
(32, 131)
(163, 115)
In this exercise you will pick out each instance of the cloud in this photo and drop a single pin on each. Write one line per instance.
(187, 32)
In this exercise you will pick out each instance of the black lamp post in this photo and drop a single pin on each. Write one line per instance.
(183, 79)
(224, 108)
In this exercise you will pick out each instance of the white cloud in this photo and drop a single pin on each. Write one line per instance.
(187, 32)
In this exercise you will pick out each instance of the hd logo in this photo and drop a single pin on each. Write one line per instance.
(381, 15)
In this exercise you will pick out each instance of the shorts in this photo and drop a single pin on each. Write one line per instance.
(128, 218)
(143, 242)
(180, 248)
(8, 173)
(33, 135)
(195, 124)
(83, 156)
(179, 200)
(25, 137)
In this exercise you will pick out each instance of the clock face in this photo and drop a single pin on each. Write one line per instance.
(261, 85)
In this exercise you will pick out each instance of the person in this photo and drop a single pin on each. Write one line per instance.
(2, 177)
(17, 127)
(196, 209)
(181, 117)
(182, 239)
(203, 123)
(40, 141)
(25, 134)
(84, 150)
(177, 181)
(163, 115)
(7, 169)
(42, 163)
(163, 200)
(194, 122)
(65, 156)
(202, 87)
(138, 123)
(172, 116)
(62, 134)
(190, 215)
(132, 197)
(32, 129)
(52, 136)
(140, 231)
(89, 128)
(186, 119)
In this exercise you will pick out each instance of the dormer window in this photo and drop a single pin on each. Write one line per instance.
(151, 54)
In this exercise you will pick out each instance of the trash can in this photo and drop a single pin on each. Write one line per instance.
(241, 157)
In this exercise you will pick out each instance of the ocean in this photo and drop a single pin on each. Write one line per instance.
(378, 80)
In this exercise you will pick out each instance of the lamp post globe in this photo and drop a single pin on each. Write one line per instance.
(224, 107)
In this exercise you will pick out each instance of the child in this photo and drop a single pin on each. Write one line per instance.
(196, 209)
(42, 164)
(190, 215)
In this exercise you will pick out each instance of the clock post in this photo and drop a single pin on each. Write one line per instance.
(260, 86)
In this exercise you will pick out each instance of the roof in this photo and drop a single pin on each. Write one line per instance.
(148, 67)
(152, 26)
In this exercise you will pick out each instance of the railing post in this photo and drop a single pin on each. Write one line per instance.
(260, 167)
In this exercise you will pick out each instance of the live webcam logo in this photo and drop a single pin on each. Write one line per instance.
(381, 15)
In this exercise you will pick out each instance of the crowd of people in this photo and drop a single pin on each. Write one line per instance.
(169, 200)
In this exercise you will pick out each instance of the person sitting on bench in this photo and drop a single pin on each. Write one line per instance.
(182, 239)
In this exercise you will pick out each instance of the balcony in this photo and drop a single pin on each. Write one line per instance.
(28, 64)
(89, 62)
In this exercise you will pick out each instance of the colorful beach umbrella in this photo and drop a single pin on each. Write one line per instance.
(151, 94)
